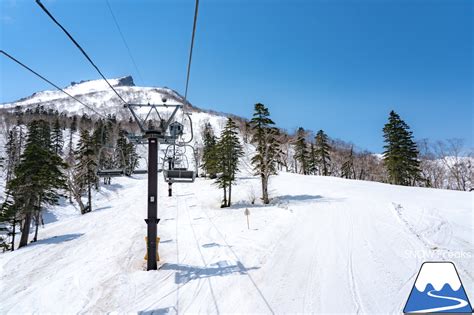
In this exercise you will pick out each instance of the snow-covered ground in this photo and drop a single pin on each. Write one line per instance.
(323, 245)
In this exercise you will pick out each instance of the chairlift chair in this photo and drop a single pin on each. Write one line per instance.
(175, 167)
(108, 170)
(141, 170)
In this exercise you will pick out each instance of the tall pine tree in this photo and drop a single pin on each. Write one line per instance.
(347, 169)
(301, 150)
(312, 160)
(322, 153)
(125, 156)
(57, 137)
(209, 154)
(86, 167)
(38, 178)
(229, 150)
(401, 153)
(267, 147)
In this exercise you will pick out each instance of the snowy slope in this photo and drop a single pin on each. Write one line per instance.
(324, 245)
(98, 95)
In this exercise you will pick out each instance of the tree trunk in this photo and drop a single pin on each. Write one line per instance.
(230, 194)
(265, 190)
(25, 231)
(35, 237)
(224, 203)
(37, 220)
(89, 197)
(13, 234)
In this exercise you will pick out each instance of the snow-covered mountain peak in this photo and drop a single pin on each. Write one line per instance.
(99, 96)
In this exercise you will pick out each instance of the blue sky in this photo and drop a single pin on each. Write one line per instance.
(339, 65)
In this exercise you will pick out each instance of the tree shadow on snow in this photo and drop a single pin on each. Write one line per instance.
(159, 311)
(243, 204)
(208, 245)
(296, 198)
(186, 273)
(102, 208)
(302, 198)
(58, 239)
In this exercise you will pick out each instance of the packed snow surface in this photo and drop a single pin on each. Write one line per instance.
(323, 245)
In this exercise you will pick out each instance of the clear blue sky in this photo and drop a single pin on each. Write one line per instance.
(335, 65)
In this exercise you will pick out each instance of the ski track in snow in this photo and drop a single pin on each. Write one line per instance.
(323, 245)
(352, 280)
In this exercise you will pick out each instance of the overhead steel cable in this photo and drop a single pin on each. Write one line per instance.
(51, 83)
(191, 49)
(124, 41)
(79, 47)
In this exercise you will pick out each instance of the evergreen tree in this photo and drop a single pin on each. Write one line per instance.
(401, 153)
(70, 147)
(70, 156)
(267, 147)
(12, 153)
(8, 222)
(229, 150)
(73, 125)
(322, 153)
(209, 155)
(57, 137)
(38, 177)
(86, 167)
(125, 156)
(347, 169)
(301, 150)
(312, 160)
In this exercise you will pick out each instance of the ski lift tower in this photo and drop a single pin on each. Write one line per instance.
(154, 135)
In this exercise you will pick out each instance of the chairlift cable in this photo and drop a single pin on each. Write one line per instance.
(51, 83)
(79, 47)
(124, 41)
(191, 49)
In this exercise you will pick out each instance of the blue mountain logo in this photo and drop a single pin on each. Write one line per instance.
(438, 289)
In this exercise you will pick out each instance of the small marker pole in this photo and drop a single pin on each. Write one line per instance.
(247, 213)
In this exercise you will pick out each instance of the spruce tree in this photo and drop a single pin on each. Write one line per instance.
(72, 131)
(301, 150)
(267, 147)
(229, 150)
(322, 153)
(11, 150)
(312, 160)
(8, 222)
(347, 169)
(38, 177)
(401, 153)
(86, 167)
(209, 155)
(57, 137)
(125, 155)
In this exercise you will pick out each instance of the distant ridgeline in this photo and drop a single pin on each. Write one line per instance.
(438, 165)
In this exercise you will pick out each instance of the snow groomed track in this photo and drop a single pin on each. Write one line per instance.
(323, 245)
